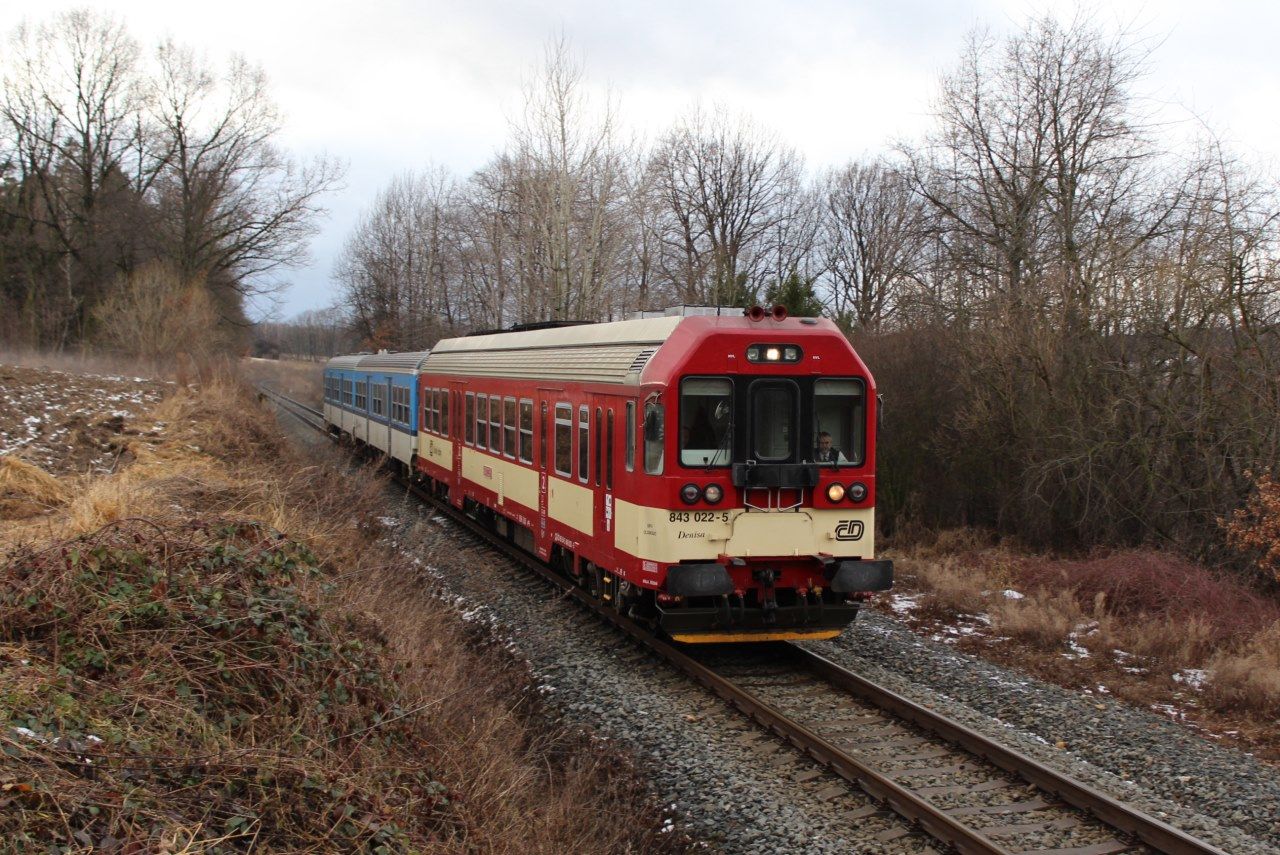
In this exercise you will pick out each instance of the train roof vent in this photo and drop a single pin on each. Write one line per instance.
(642, 359)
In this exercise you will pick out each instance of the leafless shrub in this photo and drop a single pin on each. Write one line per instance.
(154, 314)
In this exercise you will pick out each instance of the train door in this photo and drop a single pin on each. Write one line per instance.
(386, 413)
(600, 469)
(457, 418)
(544, 408)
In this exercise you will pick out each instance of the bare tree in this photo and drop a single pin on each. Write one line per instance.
(235, 209)
(72, 107)
(874, 236)
(728, 189)
(570, 186)
(397, 270)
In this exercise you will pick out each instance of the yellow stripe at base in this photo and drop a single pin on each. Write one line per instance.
(792, 635)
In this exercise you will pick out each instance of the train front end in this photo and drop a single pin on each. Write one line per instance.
(759, 438)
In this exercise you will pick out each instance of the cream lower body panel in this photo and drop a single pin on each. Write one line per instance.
(663, 535)
(436, 450)
(403, 446)
(571, 504)
(510, 480)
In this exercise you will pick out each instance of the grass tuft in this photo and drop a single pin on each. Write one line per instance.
(26, 489)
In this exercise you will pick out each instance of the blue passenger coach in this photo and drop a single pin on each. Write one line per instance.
(374, 399)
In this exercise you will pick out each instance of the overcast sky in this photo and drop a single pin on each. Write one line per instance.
(395, 86)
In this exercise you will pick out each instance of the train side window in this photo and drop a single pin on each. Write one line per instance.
(598, 438)
(526, 431)
(564, 440)
(399, 403)
(631, 436)
(379, 399)
(426, 410)
(584, 440)
(495, 424)
(482, 421)
(654, 438)
(470, 426)
(444, 412)
(362, 395)
(346, 392)
(511, 434)
(608, 453)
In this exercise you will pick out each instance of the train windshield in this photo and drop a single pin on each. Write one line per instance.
(706, 422)
(839, 417)
(774, 417)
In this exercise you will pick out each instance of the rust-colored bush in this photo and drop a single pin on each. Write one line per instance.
(1143, 582)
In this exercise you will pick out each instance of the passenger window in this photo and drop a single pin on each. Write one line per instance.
(564, 440)
(598, 432)
(526, 431)
(495, 424)
(444, 412)
(482, 421)
(509, 422)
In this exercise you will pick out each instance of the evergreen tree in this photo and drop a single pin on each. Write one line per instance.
(797, 294)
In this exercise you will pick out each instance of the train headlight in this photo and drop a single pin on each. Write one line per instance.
(713, 494)
(835, 492)
(857, 491)
(772, 354)
(689, 494)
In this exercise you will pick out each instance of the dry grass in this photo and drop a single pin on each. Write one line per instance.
(1249, 677)
(1043, 619)
(302, 381)
(515, 781)
(26, 489)
(949, 587)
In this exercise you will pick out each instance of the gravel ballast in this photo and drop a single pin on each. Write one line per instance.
(1222, 795)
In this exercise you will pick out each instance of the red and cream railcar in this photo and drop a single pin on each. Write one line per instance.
(712, 473)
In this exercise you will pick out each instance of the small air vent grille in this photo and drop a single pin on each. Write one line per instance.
(642, 359)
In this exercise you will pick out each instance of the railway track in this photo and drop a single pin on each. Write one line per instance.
(964, 789)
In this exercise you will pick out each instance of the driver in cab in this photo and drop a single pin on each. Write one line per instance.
(824, 452)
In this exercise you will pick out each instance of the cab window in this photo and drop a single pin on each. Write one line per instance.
(706, 407)
(654, 437)
(839, 418)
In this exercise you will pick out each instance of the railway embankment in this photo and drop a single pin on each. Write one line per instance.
(205, 646)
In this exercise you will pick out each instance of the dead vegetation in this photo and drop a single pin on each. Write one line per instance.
(251, 690)
(1152, 628)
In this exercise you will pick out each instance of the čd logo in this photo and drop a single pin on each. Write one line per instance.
(849, 530)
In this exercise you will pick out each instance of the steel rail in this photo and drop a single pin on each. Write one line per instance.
(907, 804)
(1150, 830)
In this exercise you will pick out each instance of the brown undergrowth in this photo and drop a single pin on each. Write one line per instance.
(180, 677)
(1151, 628)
